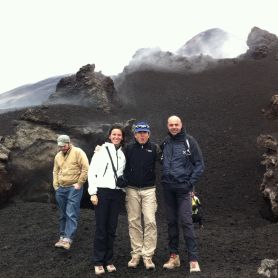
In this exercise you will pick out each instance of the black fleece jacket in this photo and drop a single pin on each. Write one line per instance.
(140, 164)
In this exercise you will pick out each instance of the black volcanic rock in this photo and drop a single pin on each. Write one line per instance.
(6, 185)
(272, 110)
(86, 88)
(270, 179)
(261, 43)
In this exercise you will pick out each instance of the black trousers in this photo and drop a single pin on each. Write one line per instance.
(179, 208)
(198, 218)
(106, 213)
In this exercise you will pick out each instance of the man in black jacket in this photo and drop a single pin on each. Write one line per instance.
(182, 166)
(141, 197)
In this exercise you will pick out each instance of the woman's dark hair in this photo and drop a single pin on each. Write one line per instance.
(121, 128)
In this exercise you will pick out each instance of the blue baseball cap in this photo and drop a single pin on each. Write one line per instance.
(141, 126)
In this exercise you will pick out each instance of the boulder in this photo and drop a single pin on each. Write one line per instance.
(261, 43)
(6, 186)
(269, 186)
(268, 268)
(272, 110)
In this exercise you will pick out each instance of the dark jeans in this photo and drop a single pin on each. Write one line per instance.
(178, 207)
(68, 200)
(106, 213)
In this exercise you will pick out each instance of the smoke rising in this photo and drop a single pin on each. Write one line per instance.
(198, 54)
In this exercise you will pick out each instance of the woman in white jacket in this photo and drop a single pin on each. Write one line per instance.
(106, 196)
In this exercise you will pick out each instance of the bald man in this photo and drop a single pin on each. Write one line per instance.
(182, 167)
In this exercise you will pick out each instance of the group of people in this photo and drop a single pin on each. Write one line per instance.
(182, 165)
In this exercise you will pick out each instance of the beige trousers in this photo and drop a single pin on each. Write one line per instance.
(143, 239)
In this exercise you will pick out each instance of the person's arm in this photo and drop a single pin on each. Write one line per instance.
(158, 152)
(84, 166)
(97, 164)
(197, 161)
(55, 174)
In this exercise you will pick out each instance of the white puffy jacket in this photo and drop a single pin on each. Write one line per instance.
(101, 173)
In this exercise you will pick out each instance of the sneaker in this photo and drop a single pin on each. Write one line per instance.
(59, 243)
(133, 263)
(99, 270)
(149, 265)
(111, 268)
(194, 266)
(173, 262)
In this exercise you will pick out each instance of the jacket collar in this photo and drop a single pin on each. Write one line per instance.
(140, 145)
(178, 137)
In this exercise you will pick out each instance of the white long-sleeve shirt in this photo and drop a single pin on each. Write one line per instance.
(101, 174)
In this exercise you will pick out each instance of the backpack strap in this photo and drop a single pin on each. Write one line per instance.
(187, 146)
(113, 167)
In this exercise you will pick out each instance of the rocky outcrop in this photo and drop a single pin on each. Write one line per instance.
(269, 186)
(26, 157)
(87, 88)
(268, 268)
(5, 182)
(272, 110)
(261, 43)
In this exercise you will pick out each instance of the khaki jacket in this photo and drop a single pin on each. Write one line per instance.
(70, 168)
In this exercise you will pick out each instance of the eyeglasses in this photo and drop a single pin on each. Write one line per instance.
(142, 126)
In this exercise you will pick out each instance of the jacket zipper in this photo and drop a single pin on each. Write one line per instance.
(105, 170)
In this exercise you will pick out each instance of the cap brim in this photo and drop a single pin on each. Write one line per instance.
(141, 129)
(61, 144)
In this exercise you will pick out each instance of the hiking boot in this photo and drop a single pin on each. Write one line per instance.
(99, 270)
(111, 268)
(149, 265)
(133, 263)
(194, 266)
(59, 243)
(173, 262)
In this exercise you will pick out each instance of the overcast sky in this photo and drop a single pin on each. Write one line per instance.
(45, 38)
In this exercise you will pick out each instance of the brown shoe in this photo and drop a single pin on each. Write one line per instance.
(173, 262)
(149, 265)
(133, 263)
(99, 270)
(111, 268)
(194, 266)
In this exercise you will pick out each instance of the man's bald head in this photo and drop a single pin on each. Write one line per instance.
(174, 125)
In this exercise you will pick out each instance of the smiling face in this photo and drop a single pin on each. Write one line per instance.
(174, 125)
(116, 136)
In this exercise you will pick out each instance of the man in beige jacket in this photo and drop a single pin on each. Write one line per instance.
(69, 174)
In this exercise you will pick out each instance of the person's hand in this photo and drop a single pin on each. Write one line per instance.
(76, 186)
(94, 200)
(97, 148)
